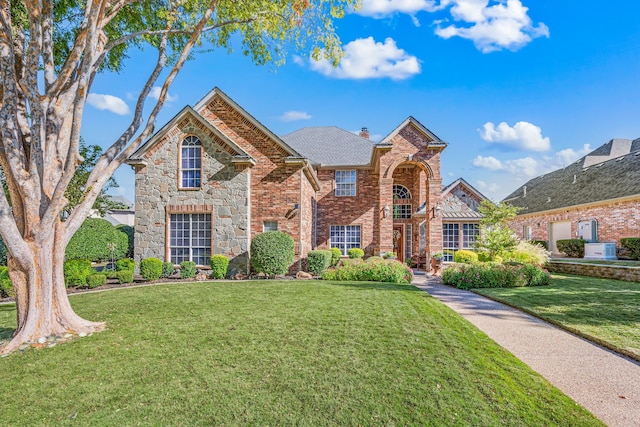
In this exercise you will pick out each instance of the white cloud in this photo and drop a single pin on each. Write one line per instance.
(567, 156)
(155, 94)
(109, 103)
(490, 163)
(297, 59)
(502, 25)
(383, 8)
(487, 187)
(366, 58)
(522, 136)
(291, 116)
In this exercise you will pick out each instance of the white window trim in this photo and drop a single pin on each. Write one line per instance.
(339, 183)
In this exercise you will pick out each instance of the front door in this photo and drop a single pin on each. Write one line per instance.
(398, 241)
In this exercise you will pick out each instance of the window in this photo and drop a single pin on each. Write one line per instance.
(401, 192)
(190, 162)
(345, 237)
(346, 183)
(450, 240)
(401, 211)
(190, 238)
(469, 234)
(270, 226)
(408, 238)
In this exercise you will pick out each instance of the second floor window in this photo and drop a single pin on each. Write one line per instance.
(346, 183)
(190, 162)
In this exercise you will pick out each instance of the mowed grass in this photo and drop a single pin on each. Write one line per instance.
(607, 311)
(276, 353)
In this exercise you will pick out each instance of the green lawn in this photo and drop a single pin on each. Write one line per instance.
(607, 311)
(276, 353)
(619, 263)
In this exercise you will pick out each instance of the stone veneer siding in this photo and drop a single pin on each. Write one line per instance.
(224, 193)
(615, 220)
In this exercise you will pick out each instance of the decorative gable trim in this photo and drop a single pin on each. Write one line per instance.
(185, 116)
(468, 186)
(432, 138)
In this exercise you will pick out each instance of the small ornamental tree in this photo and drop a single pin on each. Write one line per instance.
(495, 235)
(272, 253)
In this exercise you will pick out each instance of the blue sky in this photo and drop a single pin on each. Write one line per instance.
(516, 87)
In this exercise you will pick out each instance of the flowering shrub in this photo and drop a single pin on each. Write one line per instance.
(390, 271)
(494, 275)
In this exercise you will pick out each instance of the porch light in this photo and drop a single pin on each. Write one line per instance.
(386, 211)
(436, 210)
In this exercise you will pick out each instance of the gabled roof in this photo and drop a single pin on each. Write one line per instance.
(610, 172)
(217, 92)
(234, 149)
(453, 208)
(330, 146)
(469, 187)
(432, 137)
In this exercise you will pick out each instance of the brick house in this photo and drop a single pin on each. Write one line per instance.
(596, 198)
(214, 177)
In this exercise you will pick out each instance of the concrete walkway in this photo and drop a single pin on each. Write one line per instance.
(607, 384)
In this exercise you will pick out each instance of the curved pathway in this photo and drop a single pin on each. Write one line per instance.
(606, 384)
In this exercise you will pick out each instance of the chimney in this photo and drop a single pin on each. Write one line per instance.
(364, 133)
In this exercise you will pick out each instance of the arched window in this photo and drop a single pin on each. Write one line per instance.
(401, 192)
(190, 162)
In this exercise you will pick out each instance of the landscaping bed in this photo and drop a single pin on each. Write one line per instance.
(276, 353)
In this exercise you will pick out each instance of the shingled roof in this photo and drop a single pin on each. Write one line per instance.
(330, 146)
(612, 171)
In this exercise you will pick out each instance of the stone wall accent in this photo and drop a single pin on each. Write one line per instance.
(615, 220)
(224, 193)
(628, 274)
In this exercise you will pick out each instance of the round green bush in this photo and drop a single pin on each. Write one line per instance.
(151, 268)
(336, 253)
(319, 261)
(76, 271)
(219, 266)
(96, 279)
(187, 269)
(355, 253)
(272, 253)
(129, 231)
(124, 276)
(465, 256)
(6, 287)
(94, 241)
(167, 269)
(125, 264)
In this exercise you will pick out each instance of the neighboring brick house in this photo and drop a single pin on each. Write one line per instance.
(214, 177)
(596, 197)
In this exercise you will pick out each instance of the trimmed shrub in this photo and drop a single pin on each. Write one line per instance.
(319, 261)
(125, 264)
(167, 269)
(6, 288)
(389, 271)
(96, 279)
(355, 253)
(573, 248)
(272, 252)
(151, 268)
(76, 271)
(123, 276)
(94, 240)
(336, 253)
(632, 246)
(187, 269)
(128, 230)
(494, 275)
(542, 243)
(219, 266)
(465, 256)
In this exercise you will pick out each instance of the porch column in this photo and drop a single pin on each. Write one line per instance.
(434, 216)
(386, 208)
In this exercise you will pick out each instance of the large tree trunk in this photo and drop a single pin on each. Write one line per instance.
(41, 297)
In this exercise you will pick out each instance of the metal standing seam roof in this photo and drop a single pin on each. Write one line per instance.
(330, 146)
(614, 178)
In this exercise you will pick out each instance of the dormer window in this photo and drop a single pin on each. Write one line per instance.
(190, 163)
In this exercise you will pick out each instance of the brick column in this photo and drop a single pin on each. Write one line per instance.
(385, 239)
(434, 222)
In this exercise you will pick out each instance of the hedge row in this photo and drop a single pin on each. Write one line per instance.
(374, 269)
(632, 245)
(495, 275)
